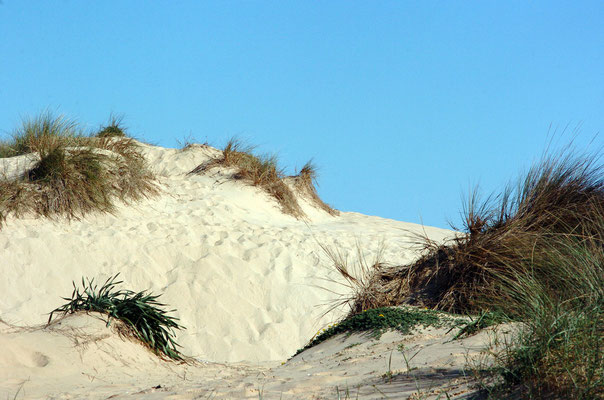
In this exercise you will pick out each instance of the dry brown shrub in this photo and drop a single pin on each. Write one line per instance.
(562, 195)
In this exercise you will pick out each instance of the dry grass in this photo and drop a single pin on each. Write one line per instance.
(263, 171)
(535, 253)
(75, 174)
(562, 196)
(305, 184)
(357, 274)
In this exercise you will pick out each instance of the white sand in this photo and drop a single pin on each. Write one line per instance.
(248, 283)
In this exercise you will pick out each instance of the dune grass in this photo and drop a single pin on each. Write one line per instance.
(75, 174)
(559, 197)
(264, 172)
(41, 134)
(559, 352)
(141, 312)
(378, 320)
(533, 253)
(305, 183)
(113, 128)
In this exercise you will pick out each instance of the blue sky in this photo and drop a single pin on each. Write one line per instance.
(403, 105)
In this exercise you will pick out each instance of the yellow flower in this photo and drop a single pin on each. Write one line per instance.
(381, 315)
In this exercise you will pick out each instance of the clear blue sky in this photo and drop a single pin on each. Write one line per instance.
(403, 105)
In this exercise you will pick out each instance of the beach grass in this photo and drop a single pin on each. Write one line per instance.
(305, 182)
(533, 254)
(377, 321)
(113, 128)
(74, 174)
(263, 171)
(140, 312)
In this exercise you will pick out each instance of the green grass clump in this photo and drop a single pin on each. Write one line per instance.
(377, 321)
(113, 128)
(263, 171)
(482, 321)
(559, 351)
(75, 174)
(141, 312)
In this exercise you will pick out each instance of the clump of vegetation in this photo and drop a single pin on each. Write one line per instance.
(377, 321)
(140, 312)
(262, 171)
(75, 174)
(305, 183)
(560, 196)
(480, 322)
(534, 253)
(41, 134)
(113, 128)
(559, 352)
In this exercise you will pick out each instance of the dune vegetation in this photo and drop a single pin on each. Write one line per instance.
(73, 173)
(534, 254)
(264, 172)
(143, 317)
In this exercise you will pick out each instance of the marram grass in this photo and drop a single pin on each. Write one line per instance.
(141, 312)
(264, 172)
(75, 174)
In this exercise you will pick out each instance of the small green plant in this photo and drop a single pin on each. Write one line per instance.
(141, 312)
(484, 320)
(401, 348)
(379, 320)
(389, 374)
(113, 128)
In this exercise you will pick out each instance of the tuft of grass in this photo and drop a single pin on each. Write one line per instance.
(75, 174)
(41, 134)
(379, 320)
(559, 351)
(482, 321)
(140, 311)
(258, 170)
(113, 128)
(305, 183)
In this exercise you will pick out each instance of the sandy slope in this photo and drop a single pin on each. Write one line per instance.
(246, 280)
(79, 357)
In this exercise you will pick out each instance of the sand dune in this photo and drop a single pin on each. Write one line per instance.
(248, 282)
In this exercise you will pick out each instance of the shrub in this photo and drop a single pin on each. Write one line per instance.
(534, 253)
(141, 312)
